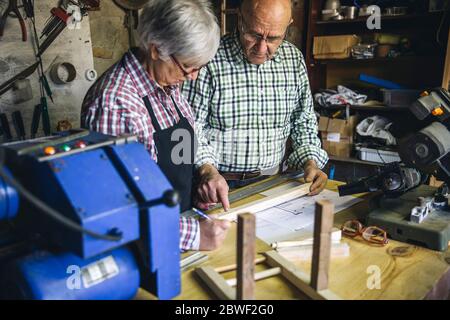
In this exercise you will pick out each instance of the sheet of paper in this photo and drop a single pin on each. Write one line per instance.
(294, 219)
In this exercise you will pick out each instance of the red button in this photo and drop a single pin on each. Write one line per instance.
(80, 144)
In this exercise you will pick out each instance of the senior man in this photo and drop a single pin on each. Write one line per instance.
(248, 101)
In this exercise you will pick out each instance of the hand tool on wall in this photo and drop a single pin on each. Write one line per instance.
(42, 108)
(35, 121)
(45, 116)
(5, 127)
(18, 124)
(4, 87)
(131, 22)
(12, 8)
(53, 28)
(60, 18)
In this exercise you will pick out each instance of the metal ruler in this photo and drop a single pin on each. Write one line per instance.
(252, 189)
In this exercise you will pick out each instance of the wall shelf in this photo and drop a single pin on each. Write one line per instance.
(402, 58)
(381, 108)
(384, 18)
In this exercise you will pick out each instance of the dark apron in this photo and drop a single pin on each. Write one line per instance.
(179, 175)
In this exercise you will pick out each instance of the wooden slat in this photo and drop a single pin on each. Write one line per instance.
(223, 17)
(323, 223)
(297, 277)
(246, 238)
(267, 202)
(216, 283)
(446, 77)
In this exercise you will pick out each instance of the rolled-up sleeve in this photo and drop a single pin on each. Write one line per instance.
(304, 132)
(189, 234)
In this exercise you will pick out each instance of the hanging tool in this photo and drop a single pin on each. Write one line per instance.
(28, 7)
(45, 116)
(12, 8)
(4, 87)
(131, 21)
(35, 121)
(60, 18)
(45, 85)
(18, 124)
(53, 28)
(5, 127)
(42, 108)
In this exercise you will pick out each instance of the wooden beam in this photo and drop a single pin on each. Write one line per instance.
(246, 248)
(323, 223)
(446, 77)
(216, 283)
(267, 202)
(223, 17)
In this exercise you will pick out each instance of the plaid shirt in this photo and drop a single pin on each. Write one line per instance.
(114, 105)
(245, 113)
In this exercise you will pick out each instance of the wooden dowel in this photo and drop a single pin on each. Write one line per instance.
(258, 276)
(232, 267)
(335, 238)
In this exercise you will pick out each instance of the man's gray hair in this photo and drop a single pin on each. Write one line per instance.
(185, 28)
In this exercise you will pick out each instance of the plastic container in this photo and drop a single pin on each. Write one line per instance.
(364, 51)
(400, 97)
(376, 155)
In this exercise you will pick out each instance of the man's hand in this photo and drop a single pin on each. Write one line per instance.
(213, 233)
(316, 176)
(212, 188)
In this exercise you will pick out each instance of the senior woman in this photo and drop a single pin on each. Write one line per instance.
(140, 95)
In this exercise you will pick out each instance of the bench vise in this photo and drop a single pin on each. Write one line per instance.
(111, 225)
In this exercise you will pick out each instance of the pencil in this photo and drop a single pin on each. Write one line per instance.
(201, 214)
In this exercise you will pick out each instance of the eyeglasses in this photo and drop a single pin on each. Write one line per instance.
(372, 234)
(256, 37)
(184, 71)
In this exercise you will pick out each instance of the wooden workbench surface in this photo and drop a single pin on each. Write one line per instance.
(423, 274)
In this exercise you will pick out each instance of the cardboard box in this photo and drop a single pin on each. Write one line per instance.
(337, 135)
(334, 47)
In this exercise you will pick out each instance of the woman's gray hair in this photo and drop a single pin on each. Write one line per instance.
(185, 28)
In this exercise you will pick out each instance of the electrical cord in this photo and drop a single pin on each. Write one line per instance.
(50, 211)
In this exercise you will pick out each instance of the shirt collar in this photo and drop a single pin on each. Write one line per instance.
(237, 53)
(139, 76)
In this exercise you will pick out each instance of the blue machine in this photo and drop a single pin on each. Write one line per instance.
(124, 209)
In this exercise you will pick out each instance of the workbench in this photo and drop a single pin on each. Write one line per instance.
(424, 274)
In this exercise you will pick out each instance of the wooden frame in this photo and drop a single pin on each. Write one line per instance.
(314, 286)
(267, 202)
(223, 289)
